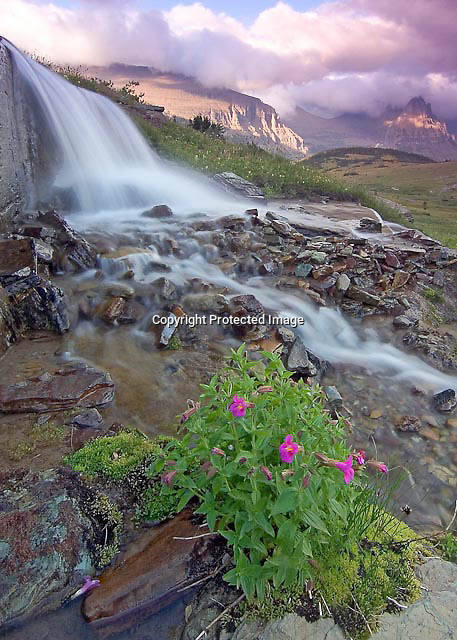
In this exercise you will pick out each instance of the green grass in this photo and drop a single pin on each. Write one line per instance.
(346, 156)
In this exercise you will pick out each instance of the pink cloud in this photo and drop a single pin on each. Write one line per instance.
(356, 54)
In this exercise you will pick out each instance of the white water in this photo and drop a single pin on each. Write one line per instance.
(104, 159)
(114, 174)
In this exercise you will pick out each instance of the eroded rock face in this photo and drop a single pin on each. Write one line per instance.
(44, 544)
(67, 388)
(36, 303)
(146, 579)
(233, 183)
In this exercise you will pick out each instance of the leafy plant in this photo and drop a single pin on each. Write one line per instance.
(260, 483)
(447, 546)
(206, 125)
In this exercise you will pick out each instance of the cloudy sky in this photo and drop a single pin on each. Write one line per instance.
(331, 57)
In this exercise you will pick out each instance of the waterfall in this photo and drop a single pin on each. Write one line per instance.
(103, 159)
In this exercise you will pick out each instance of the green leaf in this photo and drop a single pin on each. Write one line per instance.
(313, 520)
(286, 502)
(261, 520)
(186, 495)
(286, 534)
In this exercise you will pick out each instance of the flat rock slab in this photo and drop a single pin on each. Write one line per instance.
(67, 388)
(291, 627)
(147, 577)
(44, 544)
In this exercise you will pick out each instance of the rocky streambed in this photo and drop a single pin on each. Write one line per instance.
(99, 328)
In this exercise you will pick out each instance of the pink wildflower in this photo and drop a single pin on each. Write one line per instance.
(306, 480)
(361, 456)
(288, 449)
(266, 472)
(167, 478)
(217, 451)
(380, 466)
(88, 585)
(346, 468)
(238, 407)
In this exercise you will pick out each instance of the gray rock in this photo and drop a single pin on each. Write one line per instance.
(44, 544)
(343, 282)
(438, 279)
(402, 322)
(360, 295)
(74, 252)
(36, 304)
(18, 259)
(207, 302)
(159, 211)
(166, 288)
(368, 224)
(234, 183)
(445, 400)
(303, 270)
(291, 627)
(333, 396)
(87, 419)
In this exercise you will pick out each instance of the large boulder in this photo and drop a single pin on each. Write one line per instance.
(44, 544)
(233, 183)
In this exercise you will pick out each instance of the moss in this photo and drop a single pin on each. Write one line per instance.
(175, 343)
(110, 520)
(433, 295)
(114, 457)
(447, 546)
(156, 504)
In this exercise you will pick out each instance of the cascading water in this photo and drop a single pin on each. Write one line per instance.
(103, 159)
(113, 172)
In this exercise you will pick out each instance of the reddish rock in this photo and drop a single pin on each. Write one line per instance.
(73, 386)
(147, 578)
(392, 260)
(400, 279)
(17, 259)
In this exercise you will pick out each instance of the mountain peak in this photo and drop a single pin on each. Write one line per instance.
(418, 107)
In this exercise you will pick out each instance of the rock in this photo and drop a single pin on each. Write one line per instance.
(434, 615)
(291, 627)
(18, 259)
(168, 330)
(87, 419)
(287, 336)
(391, 260)
(303, 270)
(268, 268)
(318, 257)
(429, 434)
(368, 224)
(75, 253)
(408, 424)
(73, 386)
(159, 211)
(400, 279)
(234, 183)
(451, 423)
(146, 578)
(360, 295)
(36, 304)
(249, 304)
(47, 540)
(207, 303)
(120, 290)
(166, 288)
(438, 279)
(333, 397)
(303, 362)
(445, 400)
(402, 322)
(110, 310)
(343, 283)
(322, 272)
(376, 414)
(283, 228)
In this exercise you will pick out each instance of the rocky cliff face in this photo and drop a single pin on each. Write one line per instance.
(15, 160)
(25, 156)
(418, 130)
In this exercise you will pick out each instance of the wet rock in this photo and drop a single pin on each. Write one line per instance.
(207, 302)
(287, 336)
(159, 211)
(290, 627)
(90, 419)
(429, 434)
(121, 291)
(73, 252)
(147, 577)
(110, 310)
(9, 331)
(322, 272)
(451, 423)
(368, 224)
(282, 228)
(36, 304)
(249, 304)
(168, 330)
(234, 183)
(360, 295)
(303, 362)
(166, 288)
(403, 322)
(268, 269)
(303, 270)
(408, 424)
(47, 539)
(18, 259)
(445, 400)
(400, 279)
(44, 251)
(391, 260)
(72, 386)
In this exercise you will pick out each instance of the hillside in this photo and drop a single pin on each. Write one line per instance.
(245, 118)
(428, 190)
